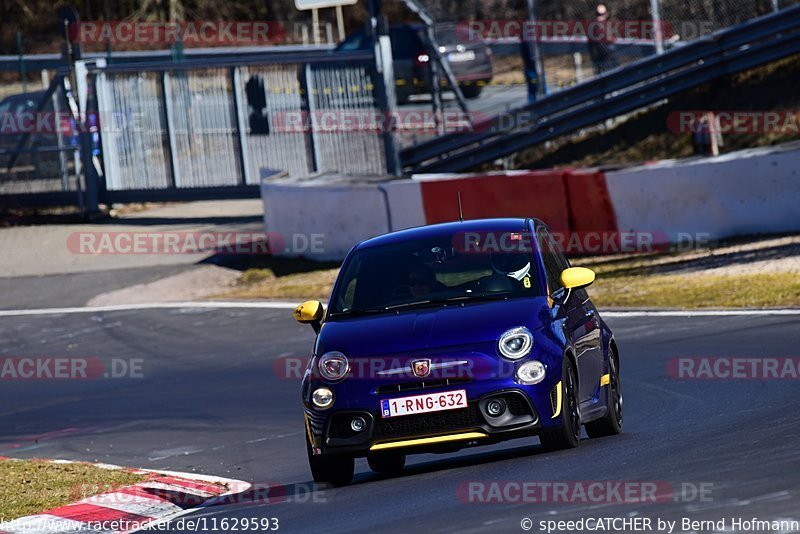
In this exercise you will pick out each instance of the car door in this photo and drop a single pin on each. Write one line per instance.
(580, 318)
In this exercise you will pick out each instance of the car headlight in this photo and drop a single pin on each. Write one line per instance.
(333, 365)
(515, 343)
(322, 398)
(531, 372)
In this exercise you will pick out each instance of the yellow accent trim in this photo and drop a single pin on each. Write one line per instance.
(426, 441)
(605, 380)
(576, 277)
(308, 432)
(558, 401)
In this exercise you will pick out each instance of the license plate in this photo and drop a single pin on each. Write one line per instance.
(455, 57)
(432, 402)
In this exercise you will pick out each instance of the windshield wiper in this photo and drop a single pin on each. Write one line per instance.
(409, 304)
(475, 298)
(434, 301)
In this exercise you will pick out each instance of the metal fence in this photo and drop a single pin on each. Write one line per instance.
(193, 126)
(39, 142)
(198, 128)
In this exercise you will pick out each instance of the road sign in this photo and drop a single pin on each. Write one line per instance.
(303, 5)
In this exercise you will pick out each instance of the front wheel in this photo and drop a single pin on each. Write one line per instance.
(471, 91)
(569, 435)
(334, 470)
(611, 423)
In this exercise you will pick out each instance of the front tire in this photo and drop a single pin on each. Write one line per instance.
(611, 423)
(471, 91)
(334, 470)
(569, 435)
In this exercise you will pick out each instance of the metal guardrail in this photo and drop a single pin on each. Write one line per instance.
(54, 61)
(623, 90)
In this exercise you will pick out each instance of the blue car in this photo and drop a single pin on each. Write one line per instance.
(454, 335)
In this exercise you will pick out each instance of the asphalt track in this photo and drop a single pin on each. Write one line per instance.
(210, 401)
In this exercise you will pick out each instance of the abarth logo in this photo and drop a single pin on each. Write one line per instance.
(421, 368)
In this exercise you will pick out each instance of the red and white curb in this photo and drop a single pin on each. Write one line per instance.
(163, 496)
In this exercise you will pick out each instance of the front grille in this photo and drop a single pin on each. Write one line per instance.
(422, 384)
(428, 422)
(516, 404)
(340, 428)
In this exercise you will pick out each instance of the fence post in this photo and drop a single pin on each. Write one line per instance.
(23, 74)
(658, 33)
(169, 124)
(90, 175)
(306, 88)
(240, 111)
(383, 84)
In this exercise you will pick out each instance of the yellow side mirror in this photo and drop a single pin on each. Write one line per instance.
(576, 277)
(309, 312)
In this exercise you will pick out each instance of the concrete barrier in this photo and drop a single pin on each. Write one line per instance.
(540, 194)
(323, 221)
(748, 192)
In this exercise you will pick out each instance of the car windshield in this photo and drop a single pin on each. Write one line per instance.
(454, 268)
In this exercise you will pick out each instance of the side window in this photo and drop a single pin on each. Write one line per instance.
(550, 259)
(561, 260)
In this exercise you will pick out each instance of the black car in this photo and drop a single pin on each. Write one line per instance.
(18, 117)
(469, 58)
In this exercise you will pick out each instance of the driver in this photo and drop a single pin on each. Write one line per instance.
(421, 281)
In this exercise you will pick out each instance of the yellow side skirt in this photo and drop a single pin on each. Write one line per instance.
(427, 441)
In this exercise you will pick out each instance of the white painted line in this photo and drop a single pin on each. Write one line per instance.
(281, 305)
(270, 305)
(699, 313)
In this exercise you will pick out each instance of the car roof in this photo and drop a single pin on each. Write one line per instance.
(35, 95)
(516, 224)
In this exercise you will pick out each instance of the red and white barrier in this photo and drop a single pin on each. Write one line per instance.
(631, 210)
(162, 496)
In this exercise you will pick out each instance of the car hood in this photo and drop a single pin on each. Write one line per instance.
(431, 328)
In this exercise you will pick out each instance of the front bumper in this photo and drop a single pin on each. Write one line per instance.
(444, 431)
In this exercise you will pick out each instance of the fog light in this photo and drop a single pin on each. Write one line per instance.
(531, 372)
(358, 424)
(322, 398)
(495, 407)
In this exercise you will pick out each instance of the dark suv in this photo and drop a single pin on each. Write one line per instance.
(469, 58)
(18, 112)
